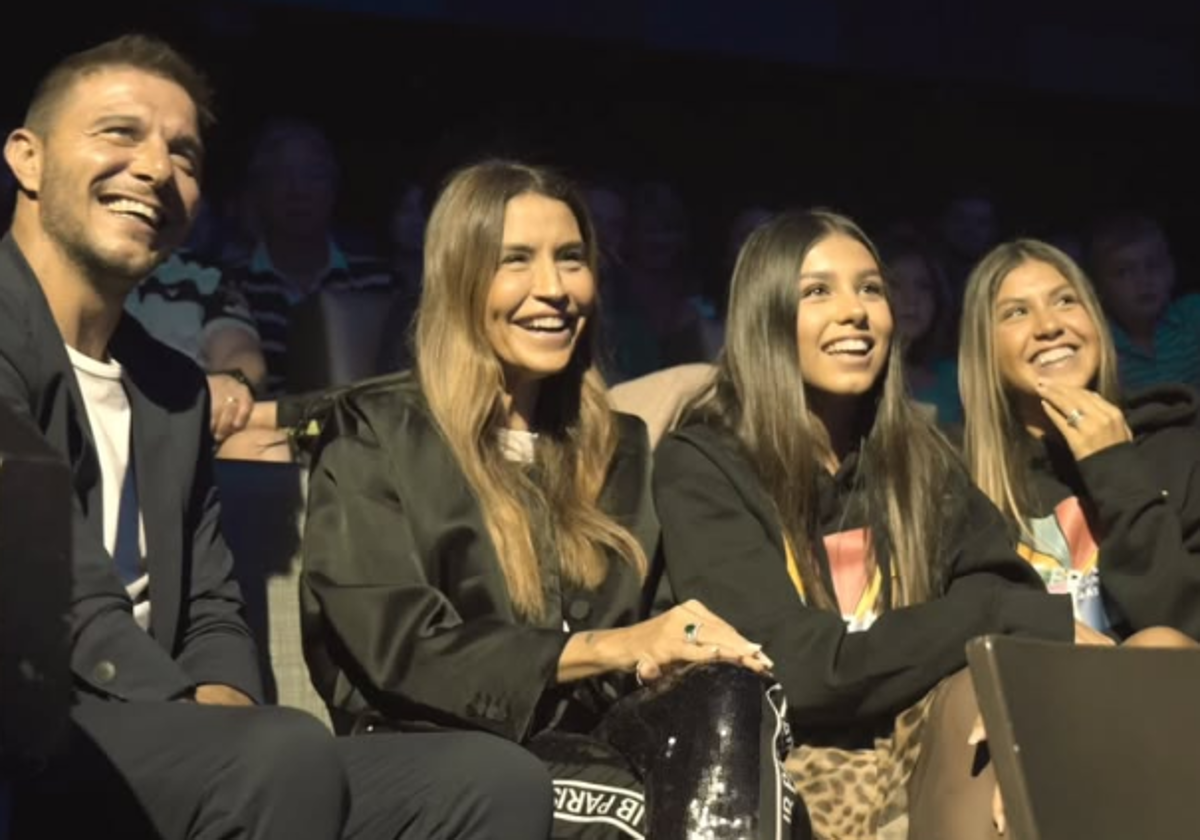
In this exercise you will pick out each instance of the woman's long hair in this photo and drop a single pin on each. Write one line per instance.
(992, 427)
(463, 382)
(759, 395)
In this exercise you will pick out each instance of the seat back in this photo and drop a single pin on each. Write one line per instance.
(262, 517)
(334, 338)
(1091, 742)
(659, 397)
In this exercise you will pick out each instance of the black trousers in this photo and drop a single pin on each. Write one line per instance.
(182, 771)
(696, 754)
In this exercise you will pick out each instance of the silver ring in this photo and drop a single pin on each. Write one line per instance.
(691, 633)
(1074, 417)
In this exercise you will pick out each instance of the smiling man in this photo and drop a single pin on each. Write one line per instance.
(167, 738)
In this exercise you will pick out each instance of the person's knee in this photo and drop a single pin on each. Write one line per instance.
(493, 787)
(504, 772)
(287, 747)
(1161, 637)
(954, 703)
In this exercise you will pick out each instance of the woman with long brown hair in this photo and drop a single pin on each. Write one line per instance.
(1101, 491)
(477, 548)
(808, 500)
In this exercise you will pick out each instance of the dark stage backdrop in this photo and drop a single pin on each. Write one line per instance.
(1060, 109)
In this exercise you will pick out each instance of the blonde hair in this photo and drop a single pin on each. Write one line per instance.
(992, 426)
(463, 382)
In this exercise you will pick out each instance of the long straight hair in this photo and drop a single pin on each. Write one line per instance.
(463, 382)
(992, 427)
(759, 395)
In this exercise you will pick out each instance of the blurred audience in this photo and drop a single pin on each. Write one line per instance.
(1157, 335)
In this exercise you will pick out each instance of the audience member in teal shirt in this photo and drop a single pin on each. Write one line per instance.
(919, 300)
(941, 392)
(1157, 337)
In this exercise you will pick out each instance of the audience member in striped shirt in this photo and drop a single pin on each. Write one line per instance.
(188, 304)
(1157, 337)
(293, 180)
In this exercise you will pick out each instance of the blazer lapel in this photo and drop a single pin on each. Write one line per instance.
(57, 402)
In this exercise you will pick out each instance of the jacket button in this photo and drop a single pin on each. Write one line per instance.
(104, 672)
(579, 610)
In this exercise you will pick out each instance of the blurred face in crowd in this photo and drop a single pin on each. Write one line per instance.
(743, 225)
(297, 187)
(1135, 280)
(611, 218)
(913, 291)
(969, 226)
(408, 220)
(660, 229)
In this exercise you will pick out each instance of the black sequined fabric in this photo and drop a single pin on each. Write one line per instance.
(709, 741)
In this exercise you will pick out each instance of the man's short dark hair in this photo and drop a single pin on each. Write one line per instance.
(1118, 231)
(137, 51)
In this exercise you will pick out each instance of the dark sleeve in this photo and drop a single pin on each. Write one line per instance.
(720, 553)
(1149, 535)
(216, 644)
(295, 411)
(418, 628)
(110, 653)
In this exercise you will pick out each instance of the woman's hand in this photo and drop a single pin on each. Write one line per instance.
(978, 736)
(689, 632)
(1087, 422)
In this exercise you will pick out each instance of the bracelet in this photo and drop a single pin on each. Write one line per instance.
(239, 375)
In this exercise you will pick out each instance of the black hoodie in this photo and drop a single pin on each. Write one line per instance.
(723, 545)
(1140, 506)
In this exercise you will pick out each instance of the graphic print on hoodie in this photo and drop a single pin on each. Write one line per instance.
(1064, 542)
(1061, 547)
(844, 553)
(857, 587)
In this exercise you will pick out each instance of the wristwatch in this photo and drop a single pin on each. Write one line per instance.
(239, 375)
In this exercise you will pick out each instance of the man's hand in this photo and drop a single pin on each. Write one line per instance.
(232, 403)
(215, 694)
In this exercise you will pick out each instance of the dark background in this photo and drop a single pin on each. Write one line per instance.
(1059, 109)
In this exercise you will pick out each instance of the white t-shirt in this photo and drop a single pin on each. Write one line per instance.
(517, 445)
(110, 419)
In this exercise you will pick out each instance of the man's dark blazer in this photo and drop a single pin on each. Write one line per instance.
(197, 633)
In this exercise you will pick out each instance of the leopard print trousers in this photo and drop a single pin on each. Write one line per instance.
(861, 794)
